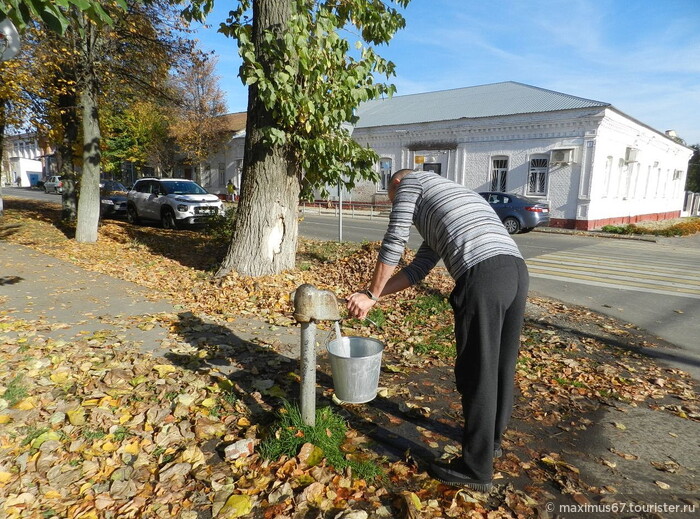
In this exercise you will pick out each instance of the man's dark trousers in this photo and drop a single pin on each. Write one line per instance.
(489, 305)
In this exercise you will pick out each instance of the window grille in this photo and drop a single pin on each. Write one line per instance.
(537, 177)
(498, 174)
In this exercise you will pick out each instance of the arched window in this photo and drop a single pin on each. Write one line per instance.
(537, 176)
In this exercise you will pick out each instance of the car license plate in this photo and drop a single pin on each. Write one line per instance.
(206, 210)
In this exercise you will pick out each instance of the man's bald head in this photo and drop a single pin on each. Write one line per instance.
(395, 181)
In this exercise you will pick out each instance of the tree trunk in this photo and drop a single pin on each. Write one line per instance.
(265, 233)
(89, 200)
(66, 165)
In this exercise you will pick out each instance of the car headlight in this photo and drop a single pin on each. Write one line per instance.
(183, 208)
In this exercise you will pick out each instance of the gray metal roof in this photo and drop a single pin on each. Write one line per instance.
(508, 98)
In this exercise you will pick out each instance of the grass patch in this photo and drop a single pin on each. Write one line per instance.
(432, 313)
(311, 252)
(90, 434)
(289, 433)
(15, 391)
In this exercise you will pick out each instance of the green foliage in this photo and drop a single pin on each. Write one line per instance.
(134, 135)
(311, 79)
(54, 14)
(220, 228)
(290, 433)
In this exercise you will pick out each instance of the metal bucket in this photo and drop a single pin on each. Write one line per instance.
(355, 364)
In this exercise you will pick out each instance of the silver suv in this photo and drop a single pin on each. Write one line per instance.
(172, 201)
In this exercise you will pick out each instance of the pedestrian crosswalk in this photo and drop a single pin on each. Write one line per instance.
(675, 275)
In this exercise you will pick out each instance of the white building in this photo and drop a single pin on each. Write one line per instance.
(592, 163)
(21, 164)
(224, 165)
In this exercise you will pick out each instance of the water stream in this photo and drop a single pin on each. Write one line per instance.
(343, 347)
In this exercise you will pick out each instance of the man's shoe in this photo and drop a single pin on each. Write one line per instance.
(456, 474)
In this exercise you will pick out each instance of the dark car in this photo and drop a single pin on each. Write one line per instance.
(112, 199)
(518, 213)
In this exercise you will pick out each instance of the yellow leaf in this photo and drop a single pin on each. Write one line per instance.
(52, 494)
(109, 447)
(76, 416)
(5, 418)
(209, 403)
(108, 401)
(416, 501)
(85, 487)
(131, 448)
(90, 402)
(125, 418)
(235, 506)
(242, 422)
(25, 405)
(164, 369)
(193, 455)
(60, 377)
(5, 477)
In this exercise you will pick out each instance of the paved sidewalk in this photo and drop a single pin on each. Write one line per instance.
(71, 300)
(615, 450)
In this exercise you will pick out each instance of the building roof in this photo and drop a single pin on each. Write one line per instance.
(508, 98)
(235, 122)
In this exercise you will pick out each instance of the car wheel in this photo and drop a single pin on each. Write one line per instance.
(167, 219)
(46, 190)
(131, 215)
(512, 225)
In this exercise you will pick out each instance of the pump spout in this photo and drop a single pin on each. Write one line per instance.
(312, 304)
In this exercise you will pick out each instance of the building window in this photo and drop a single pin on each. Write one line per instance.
(677, 174)
(385, 166)
(499, 173)
(537, 176)
(435, 167)
(222, 173)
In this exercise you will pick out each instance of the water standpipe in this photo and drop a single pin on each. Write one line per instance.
(310, 306)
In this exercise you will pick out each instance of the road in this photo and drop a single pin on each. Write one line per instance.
(653, 285)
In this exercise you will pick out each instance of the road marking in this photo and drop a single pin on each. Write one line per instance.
(675, 277)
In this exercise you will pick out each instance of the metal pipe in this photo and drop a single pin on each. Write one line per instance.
(308, 373)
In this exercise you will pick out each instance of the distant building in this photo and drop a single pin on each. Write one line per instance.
(24, 160)
(594, 164)
(225, 164)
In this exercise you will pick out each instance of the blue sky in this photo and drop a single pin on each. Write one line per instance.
(641, 56)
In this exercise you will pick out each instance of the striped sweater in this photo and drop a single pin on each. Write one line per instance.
(457, 225)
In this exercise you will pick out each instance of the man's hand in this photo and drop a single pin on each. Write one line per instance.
(359, 305)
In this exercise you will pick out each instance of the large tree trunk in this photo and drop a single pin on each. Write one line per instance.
(89, 200)
(265, 234)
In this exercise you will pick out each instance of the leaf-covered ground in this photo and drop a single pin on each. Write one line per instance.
(94, 427)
